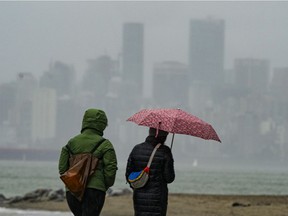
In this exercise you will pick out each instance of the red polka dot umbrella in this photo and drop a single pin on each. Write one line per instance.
(175, 121)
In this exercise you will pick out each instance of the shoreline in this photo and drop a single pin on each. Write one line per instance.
(182, 204)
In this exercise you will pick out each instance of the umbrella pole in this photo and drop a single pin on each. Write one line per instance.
(172, 140)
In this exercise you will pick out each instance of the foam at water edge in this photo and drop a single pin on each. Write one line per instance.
(32, 212)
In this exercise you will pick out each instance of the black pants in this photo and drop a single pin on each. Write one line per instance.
(91, 204)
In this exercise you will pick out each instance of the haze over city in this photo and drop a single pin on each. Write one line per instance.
(41, 38)
(35, 33)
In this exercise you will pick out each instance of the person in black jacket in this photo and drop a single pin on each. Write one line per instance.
(152, 199)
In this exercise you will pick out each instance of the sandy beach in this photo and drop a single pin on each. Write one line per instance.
(185, 205)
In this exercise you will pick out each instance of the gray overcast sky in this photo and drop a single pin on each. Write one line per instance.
(35, 33)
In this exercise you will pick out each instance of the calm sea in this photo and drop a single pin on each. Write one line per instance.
(20, 177)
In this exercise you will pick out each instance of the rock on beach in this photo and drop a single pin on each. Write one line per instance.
(119, 203)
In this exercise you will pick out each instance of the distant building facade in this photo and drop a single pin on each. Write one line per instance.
(26, 84)
(252, 74)
(206, 51)
(97, 76)
(133, 59)
(7, 105)
(60, 77)
(7, 101)
(279, 82)
(44, 106)
(170, 84)
(278, 89)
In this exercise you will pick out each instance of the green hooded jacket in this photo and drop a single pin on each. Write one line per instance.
(93, 124)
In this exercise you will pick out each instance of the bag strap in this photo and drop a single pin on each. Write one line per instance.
(69, 150)
(94, 148)
(152, 155)
(97, 145)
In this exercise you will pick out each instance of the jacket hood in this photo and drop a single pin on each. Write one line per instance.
(94, 119)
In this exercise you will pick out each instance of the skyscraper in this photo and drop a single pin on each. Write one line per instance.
(7, 101)
(278, 88)
(133, 58)
(22, 115)
(206, 51)
(97, 76)
(43, 114)
(252, 74)
(60, 77)
(170, 84)
(279, 82)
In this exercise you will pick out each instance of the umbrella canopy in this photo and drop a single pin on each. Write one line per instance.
(175, 121)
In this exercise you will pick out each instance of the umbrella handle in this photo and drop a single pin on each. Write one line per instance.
(172, 140)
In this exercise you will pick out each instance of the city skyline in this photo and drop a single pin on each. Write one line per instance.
(44, 109)
(51, 32)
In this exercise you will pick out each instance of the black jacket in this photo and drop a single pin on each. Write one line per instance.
(152, 199)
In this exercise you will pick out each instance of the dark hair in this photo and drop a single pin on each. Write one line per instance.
(161, 133)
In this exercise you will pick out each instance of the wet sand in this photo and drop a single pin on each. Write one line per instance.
(185, 205)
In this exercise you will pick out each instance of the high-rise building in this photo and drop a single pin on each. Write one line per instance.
(133, 58)
(252, 74)
(22, 119)
(60, 77)
(25, 87)
(69, 114)
(170, 84)
(206, 51)
(278, 89)
(43, 114)
(7, 105)
(98, 75)
(7, 101)
(279, 82)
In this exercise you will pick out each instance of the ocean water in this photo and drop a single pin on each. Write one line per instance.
(20, 177)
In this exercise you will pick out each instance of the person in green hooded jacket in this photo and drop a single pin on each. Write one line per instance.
(93, 125)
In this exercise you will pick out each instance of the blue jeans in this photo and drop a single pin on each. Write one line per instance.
(91, 204)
